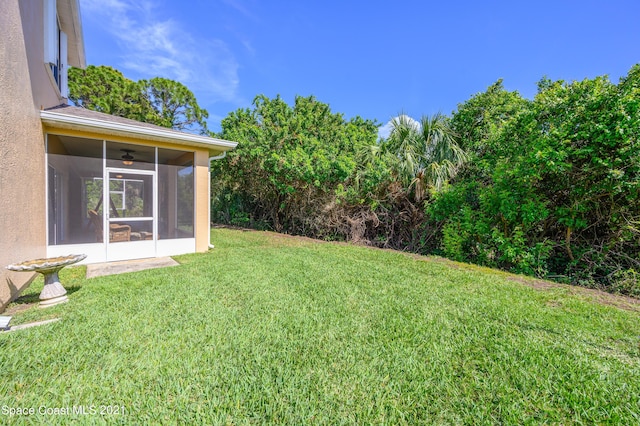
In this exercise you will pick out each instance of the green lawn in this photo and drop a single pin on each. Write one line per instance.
(274, 329)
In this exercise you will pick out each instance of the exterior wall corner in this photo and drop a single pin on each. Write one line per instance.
(22, 169)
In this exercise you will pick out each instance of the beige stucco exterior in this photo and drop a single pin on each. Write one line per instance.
(202, 200)
(45, 93)
(28, 88)
(22, 169)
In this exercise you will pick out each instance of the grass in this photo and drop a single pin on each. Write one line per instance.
(274, 329)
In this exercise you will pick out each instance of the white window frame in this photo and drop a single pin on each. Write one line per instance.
(55, 49)
(50, 32)
(62, 67)
(122, 193)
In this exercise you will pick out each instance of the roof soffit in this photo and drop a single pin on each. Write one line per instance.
(80, 119)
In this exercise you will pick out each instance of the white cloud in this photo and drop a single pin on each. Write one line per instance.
(385, 131)
(244, 9)
(165, 48)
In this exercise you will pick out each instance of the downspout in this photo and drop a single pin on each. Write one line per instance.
(214, 158)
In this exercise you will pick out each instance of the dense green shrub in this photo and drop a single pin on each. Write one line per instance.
(291, 163)
(547, 187)
(552, 188)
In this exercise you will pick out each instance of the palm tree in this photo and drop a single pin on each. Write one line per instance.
(426, 153)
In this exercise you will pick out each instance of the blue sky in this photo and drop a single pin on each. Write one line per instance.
(374, 59)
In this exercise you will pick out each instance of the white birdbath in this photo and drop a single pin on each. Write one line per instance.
(53, 292)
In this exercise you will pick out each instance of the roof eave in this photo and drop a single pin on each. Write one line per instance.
(65, 121)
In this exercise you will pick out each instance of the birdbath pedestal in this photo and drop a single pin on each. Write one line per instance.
(53, 292)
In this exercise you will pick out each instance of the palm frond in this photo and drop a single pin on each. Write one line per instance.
(426, 153)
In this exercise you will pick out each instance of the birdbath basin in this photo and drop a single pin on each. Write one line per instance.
(53, 292)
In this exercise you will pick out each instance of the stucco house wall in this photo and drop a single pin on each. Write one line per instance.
(22, 203)
(45, 94)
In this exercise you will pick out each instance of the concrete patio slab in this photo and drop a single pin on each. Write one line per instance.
(113, 268)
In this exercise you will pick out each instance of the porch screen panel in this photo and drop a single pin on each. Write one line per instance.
(176, 194)
(74, 179)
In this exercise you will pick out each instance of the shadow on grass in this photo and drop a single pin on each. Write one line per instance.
(35, 297)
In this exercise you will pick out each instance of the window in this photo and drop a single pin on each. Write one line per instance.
(127, 196)
(91, 195)
(117, 193)
(55, 48)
